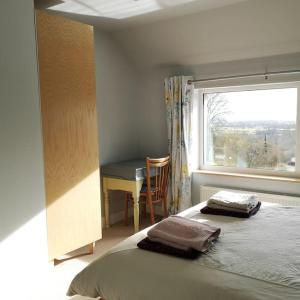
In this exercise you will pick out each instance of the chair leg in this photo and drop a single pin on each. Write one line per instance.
(126, 208)
(151, 211)
(145, 209)
(165, 207)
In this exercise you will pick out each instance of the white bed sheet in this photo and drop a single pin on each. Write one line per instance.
(256, 258)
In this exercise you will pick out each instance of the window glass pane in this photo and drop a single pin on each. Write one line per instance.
(251, 129)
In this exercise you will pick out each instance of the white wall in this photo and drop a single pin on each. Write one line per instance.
(116, 82)
(152, 112)
(154, 124)
(23, 239)
(245, 30)
(117, 105)
(248, 37)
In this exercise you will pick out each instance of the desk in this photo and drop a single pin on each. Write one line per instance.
(125, 176)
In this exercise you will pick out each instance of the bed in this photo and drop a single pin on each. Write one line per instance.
(256, 258)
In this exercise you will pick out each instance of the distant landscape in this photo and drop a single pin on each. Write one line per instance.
(252, 144)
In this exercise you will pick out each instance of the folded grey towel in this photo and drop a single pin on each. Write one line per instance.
(224, 207)
(241, 202)
(183, 233)
(230, 213)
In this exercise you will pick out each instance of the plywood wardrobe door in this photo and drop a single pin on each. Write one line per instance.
(69, 121)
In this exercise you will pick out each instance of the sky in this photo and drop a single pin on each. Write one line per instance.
(274, 104)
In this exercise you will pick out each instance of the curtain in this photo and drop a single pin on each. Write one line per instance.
(179, 106)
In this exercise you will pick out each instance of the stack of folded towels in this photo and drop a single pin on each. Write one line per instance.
(180, 237)
(241, 205)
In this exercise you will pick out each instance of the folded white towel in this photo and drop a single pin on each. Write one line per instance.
(238, 201)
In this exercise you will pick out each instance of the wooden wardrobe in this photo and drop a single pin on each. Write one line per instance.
(70, 136)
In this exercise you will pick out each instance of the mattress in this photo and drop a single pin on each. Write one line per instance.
(256, 258)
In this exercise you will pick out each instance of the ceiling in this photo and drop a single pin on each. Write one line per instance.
(190, 32)
(246, 30)
(119, 14)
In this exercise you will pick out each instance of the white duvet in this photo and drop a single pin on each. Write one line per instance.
(255, 258)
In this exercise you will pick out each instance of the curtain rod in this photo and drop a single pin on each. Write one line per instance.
(266, 75)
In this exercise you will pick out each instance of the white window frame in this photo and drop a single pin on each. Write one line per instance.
(250, 171)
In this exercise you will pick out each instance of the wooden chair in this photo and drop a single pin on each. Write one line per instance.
(156, 188)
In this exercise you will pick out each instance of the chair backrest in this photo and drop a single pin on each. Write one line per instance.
(157, 177)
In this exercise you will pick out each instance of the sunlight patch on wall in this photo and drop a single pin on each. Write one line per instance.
(23, 259)
(18, 239)
(114, 9)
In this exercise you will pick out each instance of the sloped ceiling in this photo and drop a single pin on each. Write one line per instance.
(251, 29)
(119, 14)
(193, 32)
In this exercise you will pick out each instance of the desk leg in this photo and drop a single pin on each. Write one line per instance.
(106, 206)
(136, 213)
(136, 207)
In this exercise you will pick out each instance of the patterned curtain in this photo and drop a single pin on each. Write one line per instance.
(179, 104)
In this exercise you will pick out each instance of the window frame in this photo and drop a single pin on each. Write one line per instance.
(251, 87)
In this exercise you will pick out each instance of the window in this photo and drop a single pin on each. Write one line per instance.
(251, 128)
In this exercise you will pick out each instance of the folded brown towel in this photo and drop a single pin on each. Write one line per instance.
(182, 233)
(223, 212)
(149, 245)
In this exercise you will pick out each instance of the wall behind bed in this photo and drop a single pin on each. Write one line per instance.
(238, 39)
(155, 125)
(132, 63)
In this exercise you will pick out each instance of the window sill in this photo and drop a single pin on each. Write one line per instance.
(249, 176)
